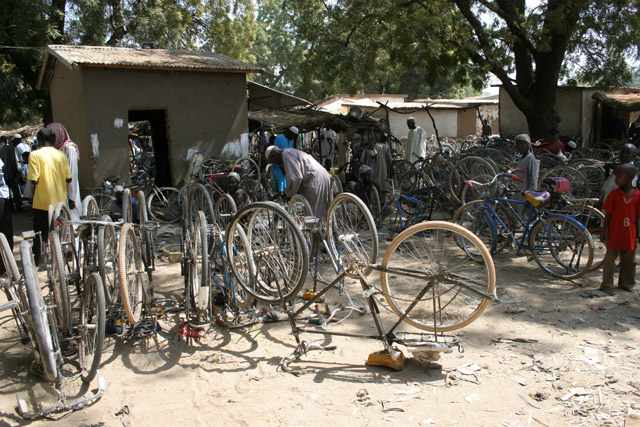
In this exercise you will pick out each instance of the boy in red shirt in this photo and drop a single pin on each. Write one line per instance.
(621, 230)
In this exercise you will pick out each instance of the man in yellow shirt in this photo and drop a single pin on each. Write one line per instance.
(49, 172)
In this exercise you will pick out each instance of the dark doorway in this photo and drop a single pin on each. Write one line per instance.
(154, 140)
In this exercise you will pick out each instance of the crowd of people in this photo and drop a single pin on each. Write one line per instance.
(39, 174)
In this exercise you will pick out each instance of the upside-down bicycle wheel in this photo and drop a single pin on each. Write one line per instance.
(425, 267)
(279, 253)
(352, 235)
(108, 260)
(130, 274)
(45, 341)
(92, 327)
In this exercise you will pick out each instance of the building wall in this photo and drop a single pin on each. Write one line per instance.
(204, 111)
(569, 105)
(446, 121)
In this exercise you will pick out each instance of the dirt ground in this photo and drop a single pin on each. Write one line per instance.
(551, 353)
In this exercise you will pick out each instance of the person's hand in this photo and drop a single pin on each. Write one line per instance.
(72, 204)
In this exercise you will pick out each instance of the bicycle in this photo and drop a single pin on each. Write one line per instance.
(37, 317)
(454, 291)
(561, 246)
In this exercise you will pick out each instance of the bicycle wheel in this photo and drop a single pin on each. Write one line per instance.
(130, 274)
(58, 282)
(38, 315)
(336, 187)
(442, 173)
(473, 217)
(249, 172)
(236, 298)
(397, 168)
(351, 234)
(108, 260)
(163, 205)
(476, 192)
(199, 279)
(562, 247)
(90, 208)
(127, 207)
(467, 168)
(224, 211)
(148, 250)
(299, 208)
(579, 184)
(8, 260)
(593, 221)
(279, 255)
(92, 327)
(452, 291)
(412, 182)
(104, 201)
(200, 200)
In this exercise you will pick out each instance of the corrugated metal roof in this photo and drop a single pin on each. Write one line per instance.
(121, 57)
(154, 58)
(620, 101)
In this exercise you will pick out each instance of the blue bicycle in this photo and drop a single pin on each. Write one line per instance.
(560, 245)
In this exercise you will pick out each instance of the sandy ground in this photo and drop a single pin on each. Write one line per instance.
(552, 353)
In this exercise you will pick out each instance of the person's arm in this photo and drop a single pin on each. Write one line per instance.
(637, 228)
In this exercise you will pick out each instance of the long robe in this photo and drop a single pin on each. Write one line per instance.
(416, 144)
(73, 188)
(309, 178)
(279, 176)
(382, 157)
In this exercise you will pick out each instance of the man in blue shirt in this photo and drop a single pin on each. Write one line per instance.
(284, 140)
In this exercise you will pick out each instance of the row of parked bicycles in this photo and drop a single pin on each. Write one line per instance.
(248, 265)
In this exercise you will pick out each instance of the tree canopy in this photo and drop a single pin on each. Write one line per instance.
(314, 48)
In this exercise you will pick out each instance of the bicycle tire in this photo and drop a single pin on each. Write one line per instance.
(442, 172)
(199, 279)
(130, 274)
(91, 327)
(224, 210)
(279, 255)
(433, 248)
(108, 260)
(148, 250)
(242, 271)
(127, 207)
(579, 184)
(58, 282)
(249, 172)
(200, 200)
(336, 187)
(469, 193)
(299, 208)
(104, 201)
(593, 220)
(90, 208)
(556, 241)
(162, 205)
(8, 259)
(38, 315)
(467, 168)
(474, 218)
(349, 218)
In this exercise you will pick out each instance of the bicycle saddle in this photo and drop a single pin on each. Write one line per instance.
(537, 198)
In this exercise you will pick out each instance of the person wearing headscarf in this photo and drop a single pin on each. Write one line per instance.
(64, 143)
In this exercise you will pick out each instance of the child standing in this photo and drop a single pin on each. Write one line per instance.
(620, 230)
